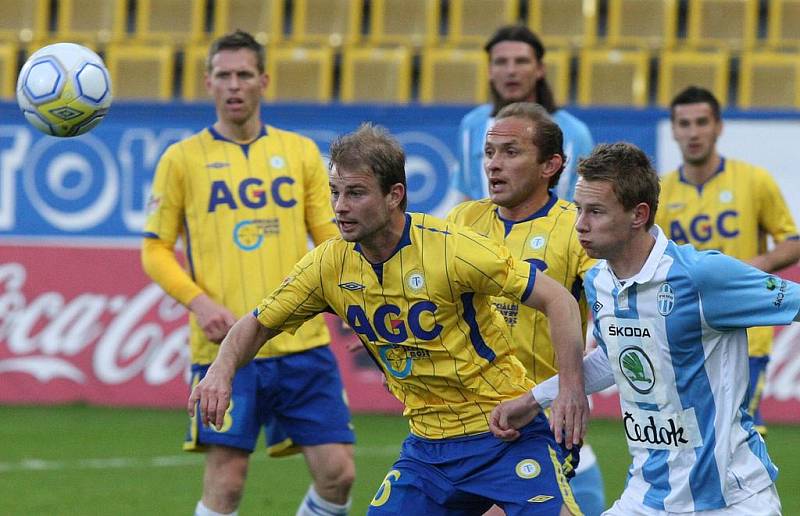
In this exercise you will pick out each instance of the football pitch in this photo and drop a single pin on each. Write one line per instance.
(83, 460)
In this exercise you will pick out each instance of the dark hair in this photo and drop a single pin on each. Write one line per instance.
(235, 41)
(544, 95)
(628, 169)
(371, 148)
(695, 95)
(547, 135)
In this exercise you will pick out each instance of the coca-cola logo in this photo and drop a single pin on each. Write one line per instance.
(46, 336)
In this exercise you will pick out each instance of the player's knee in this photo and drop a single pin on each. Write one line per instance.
(337, 475)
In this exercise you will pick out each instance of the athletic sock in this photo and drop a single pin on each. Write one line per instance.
(314, 505)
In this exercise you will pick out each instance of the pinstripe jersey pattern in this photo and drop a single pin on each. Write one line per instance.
(244, 213)
(424, 315)
(546, 239)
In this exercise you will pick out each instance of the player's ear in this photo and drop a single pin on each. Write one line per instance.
(396, 194)
(641, 214)
(552, 165)
(264, 82)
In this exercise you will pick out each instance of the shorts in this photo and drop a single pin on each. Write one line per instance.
(755, 388)
(297, 399)
(467, 475)
(763, 503)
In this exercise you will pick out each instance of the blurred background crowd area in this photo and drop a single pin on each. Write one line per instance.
(633, 53)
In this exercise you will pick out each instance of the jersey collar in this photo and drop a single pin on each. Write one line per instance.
(650, 266)
(244, 146)
(719, 170)
(404, 241)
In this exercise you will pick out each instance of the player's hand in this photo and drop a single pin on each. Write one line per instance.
(569, 415)
(214, 319)
(212, 396)
(509, 416)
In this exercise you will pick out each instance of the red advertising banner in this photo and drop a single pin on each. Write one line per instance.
(86, 324)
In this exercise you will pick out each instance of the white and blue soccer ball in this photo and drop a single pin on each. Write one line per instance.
(64, 89)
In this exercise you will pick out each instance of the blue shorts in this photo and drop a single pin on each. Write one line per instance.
(755, 389)
(467, 475)
(297, 399)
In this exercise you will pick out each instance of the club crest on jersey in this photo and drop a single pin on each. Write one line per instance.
(528, 468)
(537, 242)
(665, 299)
(637, 369)
(277, 162)
(415, 280)
(726, 196)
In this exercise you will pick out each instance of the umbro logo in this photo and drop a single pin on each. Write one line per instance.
(540, 499)
(597, 306)
(352, 285)
(218, 164)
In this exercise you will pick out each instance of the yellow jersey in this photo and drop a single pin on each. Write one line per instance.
(548, 240)
(244, 212)
(732, 212)
(425, 317)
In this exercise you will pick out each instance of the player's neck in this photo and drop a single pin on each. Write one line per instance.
(379, 246)
(631, 257)
(239, 133)
(526, 208)
(699, 173)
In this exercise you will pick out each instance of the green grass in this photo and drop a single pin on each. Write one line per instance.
(58, 460)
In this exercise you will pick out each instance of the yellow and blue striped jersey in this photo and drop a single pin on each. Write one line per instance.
(732, 212)
(548, 240)
(424, 315)
(245, 212)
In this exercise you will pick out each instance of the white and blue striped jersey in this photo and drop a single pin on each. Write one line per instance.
(470, 178)
(675, 339)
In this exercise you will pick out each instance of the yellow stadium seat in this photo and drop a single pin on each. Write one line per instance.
(726, 24)
(24, 21)
(564, 23)
(331, 22)
(261, 18)
(613, 78)
(170, 21)
(376, 75)
(300, 74)
(769, 80)
(680, 69)
(454, 76)
(194, 73)
(141, 71)
(648, 24)
(8, 70)
(414, 22)
(98, 21)
(558, 73)
(474, 21)
(783, 25)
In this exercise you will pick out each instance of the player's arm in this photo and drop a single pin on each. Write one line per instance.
(511, 415)
(782, 255)
(571, 409)
(213, 394)
(775, 219)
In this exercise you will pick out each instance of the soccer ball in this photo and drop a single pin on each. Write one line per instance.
(64, 90)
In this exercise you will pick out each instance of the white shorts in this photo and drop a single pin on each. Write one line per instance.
(763, 503)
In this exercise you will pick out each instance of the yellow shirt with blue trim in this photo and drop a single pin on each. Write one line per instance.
(733, 212)
(424, 315)
(548, 240)
(244, 212)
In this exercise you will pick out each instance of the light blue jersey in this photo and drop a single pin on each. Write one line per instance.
(470, 179)
(675, 340)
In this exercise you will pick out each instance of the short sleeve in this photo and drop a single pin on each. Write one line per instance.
(773, 214)
(298, 298)
(736, 295)
(482, 266)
